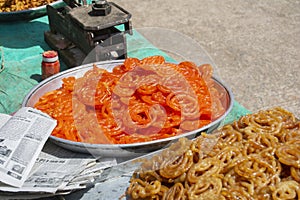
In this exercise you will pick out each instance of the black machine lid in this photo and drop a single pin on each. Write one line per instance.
(90, 18)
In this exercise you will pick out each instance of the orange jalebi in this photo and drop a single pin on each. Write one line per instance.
(140, 100)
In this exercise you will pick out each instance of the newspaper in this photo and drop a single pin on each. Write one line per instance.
(22, 137)
(61, 171)
(41, 168)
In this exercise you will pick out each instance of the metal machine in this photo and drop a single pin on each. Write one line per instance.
(96, 31)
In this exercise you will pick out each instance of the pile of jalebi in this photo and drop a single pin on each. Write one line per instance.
(140, 100)
(17, 5)
(256, 157)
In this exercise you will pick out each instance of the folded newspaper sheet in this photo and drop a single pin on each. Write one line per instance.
(30, 167)
(22, 138)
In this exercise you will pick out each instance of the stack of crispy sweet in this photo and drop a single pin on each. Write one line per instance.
(256, 157)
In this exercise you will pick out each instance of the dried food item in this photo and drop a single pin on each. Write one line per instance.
(139, 101)
(255, 157)
(17, 5)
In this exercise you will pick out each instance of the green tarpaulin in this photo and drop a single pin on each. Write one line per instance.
(21, 48)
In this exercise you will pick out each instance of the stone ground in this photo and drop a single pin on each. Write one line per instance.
(255, 44)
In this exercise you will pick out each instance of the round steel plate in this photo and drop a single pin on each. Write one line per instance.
(115, 150)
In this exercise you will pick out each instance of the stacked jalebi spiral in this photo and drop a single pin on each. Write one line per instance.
(138, 101)
(255, 157)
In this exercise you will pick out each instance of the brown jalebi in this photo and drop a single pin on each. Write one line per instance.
(139, 101)
(255, 157)
(17, 5)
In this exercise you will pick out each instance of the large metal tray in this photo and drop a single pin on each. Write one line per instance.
(115, 150)
(29, 14)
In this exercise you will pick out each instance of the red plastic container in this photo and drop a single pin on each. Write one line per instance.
(50, 64)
